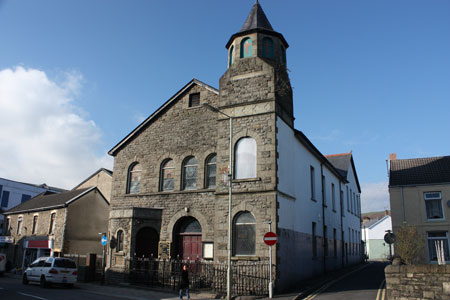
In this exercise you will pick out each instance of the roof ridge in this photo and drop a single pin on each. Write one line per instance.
(339, 154)
(431, 157)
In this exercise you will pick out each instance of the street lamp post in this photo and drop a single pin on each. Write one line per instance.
(230, 196)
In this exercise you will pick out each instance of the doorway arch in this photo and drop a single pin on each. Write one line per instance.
(188, 239)
(147, 240)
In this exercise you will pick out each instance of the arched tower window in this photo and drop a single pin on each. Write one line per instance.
(267, 46)
(231, 56)
(245, 158)
(167, 177)
(210, 178)
(134, 179)
(189, 175)
(283, 54)
(244, 232)
(246, 47)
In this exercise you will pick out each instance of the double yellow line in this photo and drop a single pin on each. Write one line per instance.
(381, 294)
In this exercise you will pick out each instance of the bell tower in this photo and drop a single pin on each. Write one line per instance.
(257, 71)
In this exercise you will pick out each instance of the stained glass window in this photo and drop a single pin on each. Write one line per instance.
(134, 179)
(167, 176)
(246, 47)
(211, 172)
(267, 47)
(245, 158)
(191, 225)
(244, 234)
(190, 173)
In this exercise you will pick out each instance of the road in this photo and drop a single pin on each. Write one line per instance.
(360, 285)
(12, 288)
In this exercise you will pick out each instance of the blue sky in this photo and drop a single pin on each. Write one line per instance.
(368, 76)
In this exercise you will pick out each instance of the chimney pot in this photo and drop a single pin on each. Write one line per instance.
(392, 156)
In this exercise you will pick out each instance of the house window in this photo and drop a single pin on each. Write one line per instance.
(245, 158)
(325, 240)
(246, 47)
(348, 201)
(35, 220)
(134, 179)
(314, 240)
(354, 204)
(433, 204)
(19, 226)
(231, 56)
(190, 173)
(194, 99)
(312, 180)
(7, 224)
(341, 201)
(350, 236)
(324, 186)
(211, 172)
(25, 198)
(119, 246)
(51, 228)
(244, 234)
(334, 243)
(167, 175)
(440, 238)
(267, 47)
(5, 198)
(333, 197)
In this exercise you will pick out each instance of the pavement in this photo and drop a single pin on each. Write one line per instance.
(302, 290)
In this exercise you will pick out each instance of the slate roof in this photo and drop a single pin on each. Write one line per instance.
(341, 162)
(48, 200)
(419, 171)
(256, 19)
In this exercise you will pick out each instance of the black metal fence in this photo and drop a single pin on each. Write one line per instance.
(249, 278)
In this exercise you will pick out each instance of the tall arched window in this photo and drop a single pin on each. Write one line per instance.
(246, 47)
(134, 179)
(267, 47)
(167, 181)
(230, 62)
(119, 246)
(245, 158)
(210, 177)
(189, 175)
(244, 233)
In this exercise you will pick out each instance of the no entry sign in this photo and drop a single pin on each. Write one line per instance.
(270, 238)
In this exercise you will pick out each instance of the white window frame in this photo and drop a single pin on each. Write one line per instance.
(312, 174)
(433, 198)
(437, 238)
(333, 197)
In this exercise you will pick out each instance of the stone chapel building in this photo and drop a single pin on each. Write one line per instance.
(170, 194)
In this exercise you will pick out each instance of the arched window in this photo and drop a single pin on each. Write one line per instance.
(134, 179)
(267, 47)
(245, 158)
(283, 54)
(210, 178)
(246, 47)
(167, 175)
(230, 62)
(244, 233)
(119, 246)
(189, 173)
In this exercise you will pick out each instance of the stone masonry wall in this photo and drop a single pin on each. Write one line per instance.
(417, 282)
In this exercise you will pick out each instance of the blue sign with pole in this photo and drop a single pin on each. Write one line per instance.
(104, 240)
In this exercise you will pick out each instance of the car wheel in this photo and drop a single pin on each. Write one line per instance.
(43, 282)
(25, 279)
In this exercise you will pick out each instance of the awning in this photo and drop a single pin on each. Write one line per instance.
(38, 244)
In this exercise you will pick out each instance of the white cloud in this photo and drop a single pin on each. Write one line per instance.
(374, 196)
(43, 136)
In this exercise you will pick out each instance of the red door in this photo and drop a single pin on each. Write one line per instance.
(192, 246)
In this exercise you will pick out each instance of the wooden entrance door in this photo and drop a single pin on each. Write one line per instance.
(192, 246)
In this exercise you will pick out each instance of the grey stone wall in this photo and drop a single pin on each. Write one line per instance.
(417, 282)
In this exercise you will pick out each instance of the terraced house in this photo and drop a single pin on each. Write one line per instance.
(170, 182)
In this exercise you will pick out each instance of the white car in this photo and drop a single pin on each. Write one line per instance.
(48, 270)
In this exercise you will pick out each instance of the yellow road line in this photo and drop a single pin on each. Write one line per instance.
(381, 293)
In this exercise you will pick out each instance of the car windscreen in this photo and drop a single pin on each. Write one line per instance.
(64, 263)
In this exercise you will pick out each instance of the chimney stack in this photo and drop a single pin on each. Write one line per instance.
(392, 156)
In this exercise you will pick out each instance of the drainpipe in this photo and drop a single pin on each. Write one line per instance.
(323, 219)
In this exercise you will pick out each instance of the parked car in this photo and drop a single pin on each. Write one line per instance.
(48, 270)
(2, 263)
